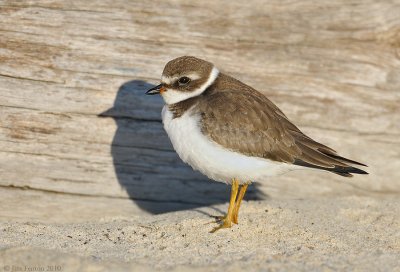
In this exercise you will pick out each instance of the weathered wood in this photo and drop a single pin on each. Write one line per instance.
(333, 68)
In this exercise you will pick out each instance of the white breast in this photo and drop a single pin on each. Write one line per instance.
(212, 159)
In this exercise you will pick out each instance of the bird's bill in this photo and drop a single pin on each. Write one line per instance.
(159, 89)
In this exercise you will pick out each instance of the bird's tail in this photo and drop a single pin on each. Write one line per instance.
(344, 167)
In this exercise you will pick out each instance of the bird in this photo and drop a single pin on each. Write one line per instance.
(234, 134)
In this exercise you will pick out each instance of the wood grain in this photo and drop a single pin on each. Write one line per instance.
(333, 67)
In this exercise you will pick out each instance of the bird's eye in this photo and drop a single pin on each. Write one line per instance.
(183, 80)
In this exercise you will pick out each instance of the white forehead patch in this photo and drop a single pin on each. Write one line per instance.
(172, 96)
(168, 80)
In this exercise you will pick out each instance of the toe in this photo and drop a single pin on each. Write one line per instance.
(225, 225)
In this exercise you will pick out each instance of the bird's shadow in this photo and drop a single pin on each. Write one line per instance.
(145, 163)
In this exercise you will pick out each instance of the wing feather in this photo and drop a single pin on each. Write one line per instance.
(248, 122)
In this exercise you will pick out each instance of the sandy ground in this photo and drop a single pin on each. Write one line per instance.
(325, 234)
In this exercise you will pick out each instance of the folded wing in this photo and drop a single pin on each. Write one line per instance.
(247, 122)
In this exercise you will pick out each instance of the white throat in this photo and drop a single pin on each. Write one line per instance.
(171, 96)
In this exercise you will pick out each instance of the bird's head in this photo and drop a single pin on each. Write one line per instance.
(183, 78)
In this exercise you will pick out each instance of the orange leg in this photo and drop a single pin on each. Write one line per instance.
(227, 220)
(238, 201)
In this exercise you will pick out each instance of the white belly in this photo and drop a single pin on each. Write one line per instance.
(212, 159)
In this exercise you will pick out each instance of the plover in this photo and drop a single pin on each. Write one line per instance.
(232, 133)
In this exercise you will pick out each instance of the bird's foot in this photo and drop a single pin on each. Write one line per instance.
(221, 218)
(225, 223)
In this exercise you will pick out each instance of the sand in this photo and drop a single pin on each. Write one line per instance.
(325, 234)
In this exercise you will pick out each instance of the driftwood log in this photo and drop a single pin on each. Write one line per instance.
(78, 134)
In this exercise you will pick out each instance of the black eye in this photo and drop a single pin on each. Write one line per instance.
(183, 80)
